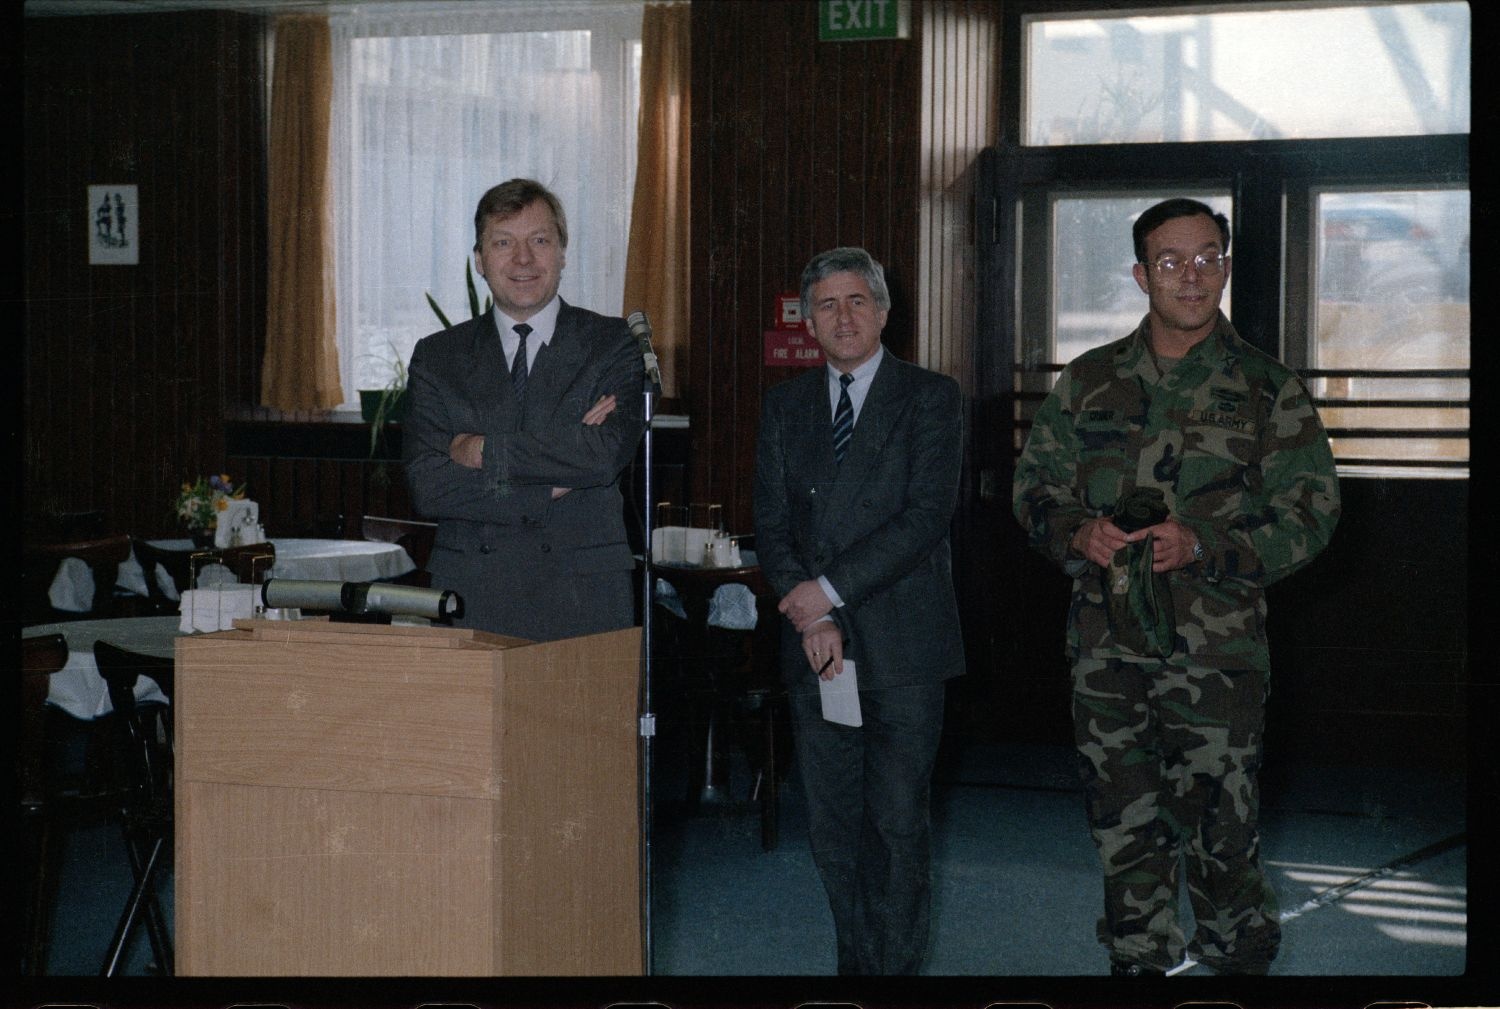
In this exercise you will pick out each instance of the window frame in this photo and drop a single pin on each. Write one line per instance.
(1271, 182)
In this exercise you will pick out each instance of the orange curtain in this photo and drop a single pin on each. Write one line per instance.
(656, 263)
(300, 370)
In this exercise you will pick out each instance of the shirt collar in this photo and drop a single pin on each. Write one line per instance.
(1213, 347)
(543, 324)
(863, 372)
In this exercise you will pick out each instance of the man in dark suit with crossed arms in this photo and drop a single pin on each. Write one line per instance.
(521, 422)
(856, 479)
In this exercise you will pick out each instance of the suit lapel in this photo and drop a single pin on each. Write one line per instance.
(877, 419)
(487, 375)
(809, 442)
(557, 364)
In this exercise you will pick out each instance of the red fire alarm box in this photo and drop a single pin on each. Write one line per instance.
(788, 312)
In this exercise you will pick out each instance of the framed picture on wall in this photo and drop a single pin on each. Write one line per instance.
(114, 225)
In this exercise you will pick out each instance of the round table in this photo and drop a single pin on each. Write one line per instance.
(77, 687)
(328, 560)
(312, 559)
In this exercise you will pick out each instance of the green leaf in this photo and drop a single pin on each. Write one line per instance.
(438, 311)
(473, 294)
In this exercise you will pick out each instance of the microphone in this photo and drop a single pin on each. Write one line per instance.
(641, 330)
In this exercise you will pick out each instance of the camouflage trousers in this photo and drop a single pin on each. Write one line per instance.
(1170, 758)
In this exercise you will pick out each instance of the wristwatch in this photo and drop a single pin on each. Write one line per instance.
(1197, 551)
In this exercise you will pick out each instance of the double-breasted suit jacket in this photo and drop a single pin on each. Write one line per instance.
(876, 525)
(527, 564)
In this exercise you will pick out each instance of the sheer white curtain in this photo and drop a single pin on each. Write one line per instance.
(434, 104)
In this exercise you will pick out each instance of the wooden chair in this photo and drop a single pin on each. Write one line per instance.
(64, 527)
(39, 564)
(251, 563)
(141, 737)
(415, 537)
(40, 658)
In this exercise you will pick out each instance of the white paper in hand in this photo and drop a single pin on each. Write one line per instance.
(841, 697)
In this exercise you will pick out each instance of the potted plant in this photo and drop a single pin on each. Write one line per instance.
(379, 407)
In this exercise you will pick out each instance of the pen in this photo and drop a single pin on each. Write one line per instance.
(825, 666)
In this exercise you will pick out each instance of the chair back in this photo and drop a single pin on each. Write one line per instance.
(251, 563)
(139, 741)
(144, 732)
(413, 536)
(39, 564)
(174, 562)
(40, 657)
(65, 526)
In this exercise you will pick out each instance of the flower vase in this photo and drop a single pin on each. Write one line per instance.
(203, 539)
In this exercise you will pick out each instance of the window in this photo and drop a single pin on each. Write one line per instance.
(1345, 179)
(436, 103)
(1368, 71)
(1392, 306)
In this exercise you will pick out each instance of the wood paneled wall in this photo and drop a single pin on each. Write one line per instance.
(798, 146)
(801, 145)
(128, 369)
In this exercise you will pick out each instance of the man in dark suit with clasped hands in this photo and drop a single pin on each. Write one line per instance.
(856, 480)
(521, 422)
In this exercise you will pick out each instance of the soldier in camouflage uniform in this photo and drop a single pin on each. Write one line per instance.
(1169, 725)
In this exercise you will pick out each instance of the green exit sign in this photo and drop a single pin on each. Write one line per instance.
(854, 20)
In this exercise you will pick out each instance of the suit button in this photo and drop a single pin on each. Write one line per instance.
(484, 548)
(546, 548)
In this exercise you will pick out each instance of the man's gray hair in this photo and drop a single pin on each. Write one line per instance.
(845, 259)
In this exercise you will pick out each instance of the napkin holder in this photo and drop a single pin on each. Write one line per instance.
(239, 525)
(694, 547)
(216, 607)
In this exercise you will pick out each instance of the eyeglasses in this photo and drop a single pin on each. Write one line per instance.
(1208, 264)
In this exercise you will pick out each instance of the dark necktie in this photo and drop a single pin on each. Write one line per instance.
(518, 366)
(843, 421)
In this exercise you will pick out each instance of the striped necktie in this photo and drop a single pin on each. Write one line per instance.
(518, 366)
(843, 421)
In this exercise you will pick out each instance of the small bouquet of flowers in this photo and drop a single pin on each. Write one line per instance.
(201, 501)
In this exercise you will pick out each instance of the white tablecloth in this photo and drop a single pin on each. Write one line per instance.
(78, 688)
(319, 560)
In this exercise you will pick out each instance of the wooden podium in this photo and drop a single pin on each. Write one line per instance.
(355, 799)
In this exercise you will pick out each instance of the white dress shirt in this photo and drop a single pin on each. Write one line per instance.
(543, 324)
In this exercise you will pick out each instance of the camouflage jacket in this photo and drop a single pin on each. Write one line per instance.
(1230, 435)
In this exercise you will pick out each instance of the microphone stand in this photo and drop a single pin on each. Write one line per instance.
(647, 716)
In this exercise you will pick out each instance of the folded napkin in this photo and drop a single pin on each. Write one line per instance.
(733, 606)
(72, 588)
(132, 578)
(216, 608)
(238, 524)
(668, 599)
